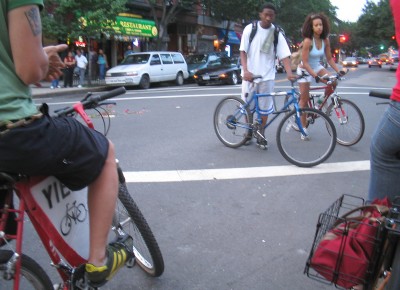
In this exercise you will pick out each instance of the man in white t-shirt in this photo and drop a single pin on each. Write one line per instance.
(258, 58)
(81, 63)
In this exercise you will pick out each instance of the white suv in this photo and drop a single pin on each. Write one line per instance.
(144, 68)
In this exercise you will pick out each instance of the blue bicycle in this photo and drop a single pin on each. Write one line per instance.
(234, 126)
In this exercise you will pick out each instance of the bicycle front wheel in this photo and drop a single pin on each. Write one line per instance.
(32, 275)
(129, 218)
(232, 122)
(311, 152)
(348, 120)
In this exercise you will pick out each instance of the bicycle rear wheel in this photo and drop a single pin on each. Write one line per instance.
(232, 122)
(129, 218)
(313, 151)
(32, 275)
(348, 121)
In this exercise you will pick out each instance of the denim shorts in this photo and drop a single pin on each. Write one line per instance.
(60, 147)
(308, 78)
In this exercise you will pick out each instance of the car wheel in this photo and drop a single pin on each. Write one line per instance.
(144, 82)
(369, 66)
(201, 84)
(179, 79)
(380, 66)
(234, 79)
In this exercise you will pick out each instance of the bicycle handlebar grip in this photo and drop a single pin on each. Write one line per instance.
(379, 94)
(111, 94)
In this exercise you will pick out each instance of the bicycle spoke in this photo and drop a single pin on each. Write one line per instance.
(308, 153)
(348, 120)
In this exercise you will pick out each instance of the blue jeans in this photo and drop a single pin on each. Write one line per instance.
(82, 76)
(102, 71)
(385, 156)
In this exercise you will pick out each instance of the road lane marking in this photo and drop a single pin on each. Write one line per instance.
(242, 173)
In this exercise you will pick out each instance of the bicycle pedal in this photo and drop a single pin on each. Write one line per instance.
(131, 262)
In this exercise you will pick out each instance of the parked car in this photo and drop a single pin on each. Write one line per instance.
(361, 60)
(196, 62)
(279, 68)
(374, 62)
(350, 61)
(394, 63)
(144, 68)
(221, 70)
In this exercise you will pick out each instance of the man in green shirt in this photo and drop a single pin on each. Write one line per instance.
(33, 143)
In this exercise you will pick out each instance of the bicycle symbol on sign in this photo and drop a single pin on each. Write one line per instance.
(73, 213)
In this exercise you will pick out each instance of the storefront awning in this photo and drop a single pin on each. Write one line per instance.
(134, 27)
(232, 36)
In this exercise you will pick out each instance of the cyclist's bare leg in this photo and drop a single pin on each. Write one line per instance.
(102, 197)
(304, 89)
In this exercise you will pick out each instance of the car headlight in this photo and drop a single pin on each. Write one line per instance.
(108, 74)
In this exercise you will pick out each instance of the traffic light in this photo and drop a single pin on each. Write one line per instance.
(382, 47)
(394, 37)
(343, 38)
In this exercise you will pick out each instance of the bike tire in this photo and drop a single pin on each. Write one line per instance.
(232, 122)
(145, 247)
(32, 275)
(351, 130)
(306, 153)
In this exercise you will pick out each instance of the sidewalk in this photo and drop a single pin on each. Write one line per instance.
(45, 91)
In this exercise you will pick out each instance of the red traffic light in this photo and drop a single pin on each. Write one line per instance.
(342, 38)
(394, 37)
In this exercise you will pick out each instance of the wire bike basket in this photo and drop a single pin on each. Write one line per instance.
(347, 244)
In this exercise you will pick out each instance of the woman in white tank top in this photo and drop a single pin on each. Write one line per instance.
(315, 46)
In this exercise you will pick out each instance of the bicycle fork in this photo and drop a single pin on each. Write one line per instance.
(340, 113)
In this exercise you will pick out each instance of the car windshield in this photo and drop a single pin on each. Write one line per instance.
(350, 59)
(196, 59)
(136, 59)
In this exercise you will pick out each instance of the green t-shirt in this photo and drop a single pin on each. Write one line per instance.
(15, 96)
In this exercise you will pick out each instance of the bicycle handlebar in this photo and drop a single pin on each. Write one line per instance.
(379, 94)
(91, 101)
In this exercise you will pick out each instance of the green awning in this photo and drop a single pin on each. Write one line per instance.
(135, 27)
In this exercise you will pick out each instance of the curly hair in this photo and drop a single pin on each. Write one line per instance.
(307, 29)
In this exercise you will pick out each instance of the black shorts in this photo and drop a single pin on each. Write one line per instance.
(60, 147)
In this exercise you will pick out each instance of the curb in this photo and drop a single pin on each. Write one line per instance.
(38, 92)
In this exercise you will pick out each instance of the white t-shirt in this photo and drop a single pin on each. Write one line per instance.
(81, 61)
(258, 62)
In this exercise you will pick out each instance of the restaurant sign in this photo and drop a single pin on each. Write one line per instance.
(134, 27)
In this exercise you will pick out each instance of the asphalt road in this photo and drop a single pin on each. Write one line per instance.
(251, 229)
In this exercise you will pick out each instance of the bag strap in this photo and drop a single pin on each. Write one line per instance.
(382, 209)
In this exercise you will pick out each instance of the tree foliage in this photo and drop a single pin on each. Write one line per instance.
(64, 19)
(375, 27)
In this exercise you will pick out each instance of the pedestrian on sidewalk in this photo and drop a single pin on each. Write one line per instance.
(70, 63)
(55, 84)
(103, 64)
(81, 63)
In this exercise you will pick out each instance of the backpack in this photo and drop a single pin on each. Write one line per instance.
(276, 34)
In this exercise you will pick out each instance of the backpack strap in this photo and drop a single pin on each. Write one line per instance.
(254, 27)
(276, 36)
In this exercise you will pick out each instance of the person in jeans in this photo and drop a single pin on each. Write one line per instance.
(385, 153)
(35, 144)
(102, 63)
(81, 63)
(258, 58)
(385, 144)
